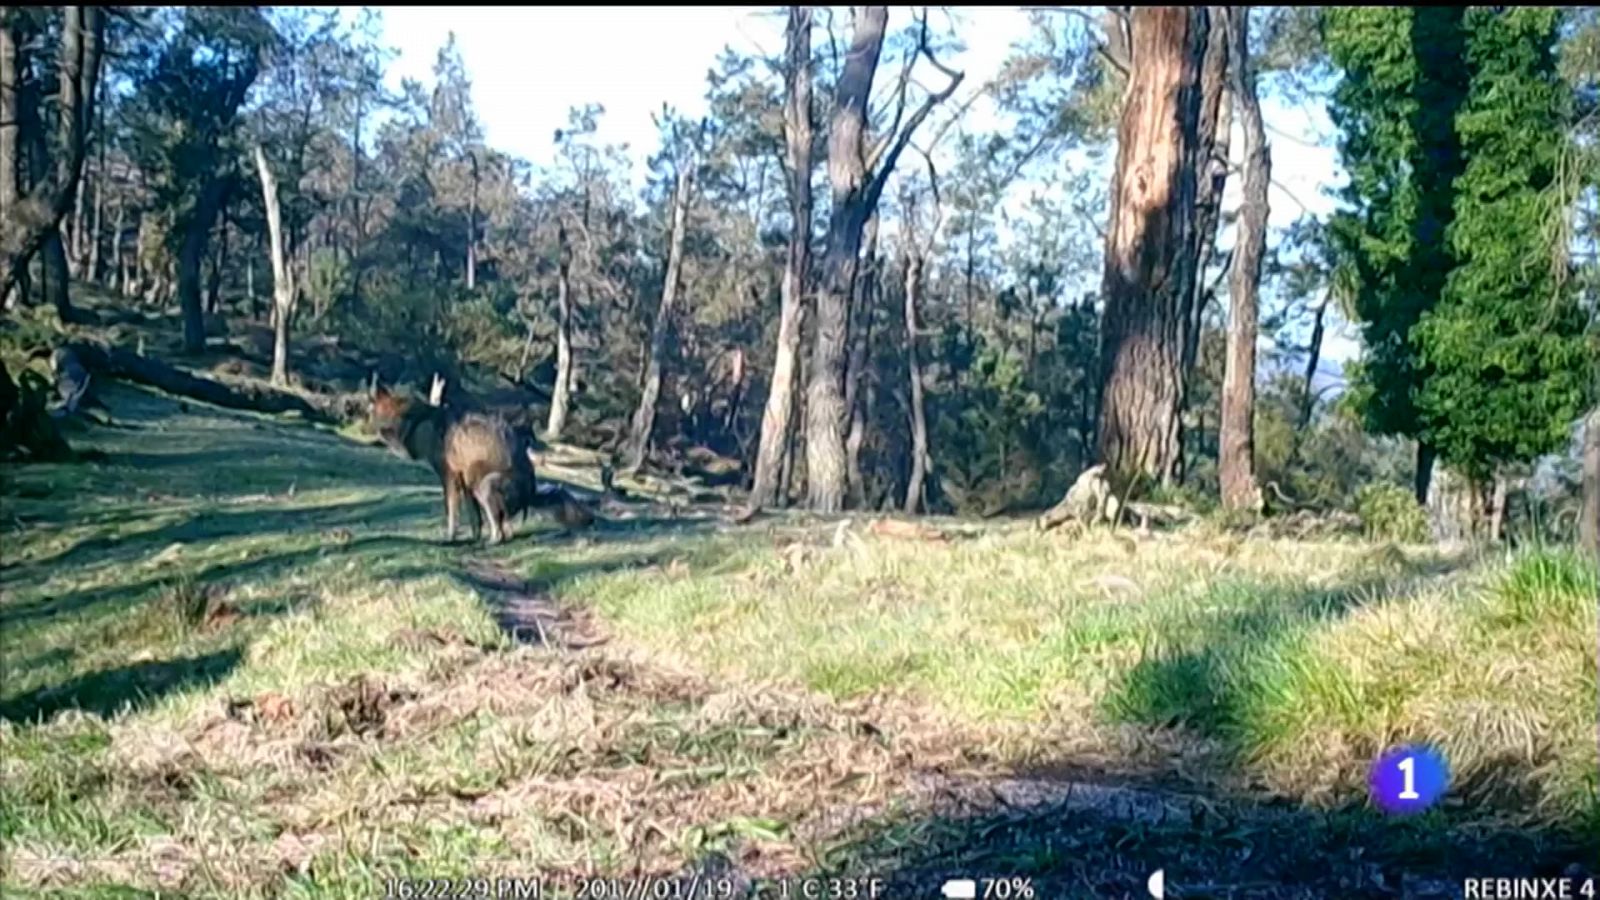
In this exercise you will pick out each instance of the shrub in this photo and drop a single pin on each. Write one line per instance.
(1390, 512)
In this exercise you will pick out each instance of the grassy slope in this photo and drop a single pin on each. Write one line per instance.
(261, 674)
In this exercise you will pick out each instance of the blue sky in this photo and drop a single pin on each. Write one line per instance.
(530, 65)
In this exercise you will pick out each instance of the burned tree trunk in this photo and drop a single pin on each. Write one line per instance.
(560, 396)
(283, 287)
(644, 417)
(1236, 458)
(1149, 259)
(777, 420)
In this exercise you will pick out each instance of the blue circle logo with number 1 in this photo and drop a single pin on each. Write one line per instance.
(1409, 779)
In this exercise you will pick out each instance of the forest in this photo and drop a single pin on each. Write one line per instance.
(847, 371)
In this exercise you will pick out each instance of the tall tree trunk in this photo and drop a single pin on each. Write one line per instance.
(283, 287)
(34, 222)
(192, 250)
(76, 250)
(861, 315)
(472, 227)
(1212, 140)
(919, 419)
(1589, 514)
(114, 261)
(825, 412)
(10, 186)
(644, 417)
(1149, 259)
(777, 419)
(1313, 360)
(57, 291)
(219, 262)
(1236, 468)
(97, 223)
(560, 397)
(1422, 477)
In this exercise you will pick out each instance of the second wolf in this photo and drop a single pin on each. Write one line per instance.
(474, 454)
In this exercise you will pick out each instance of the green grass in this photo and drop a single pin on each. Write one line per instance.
(235, 660)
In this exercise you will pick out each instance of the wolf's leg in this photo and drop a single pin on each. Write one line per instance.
(491, 506)
(452, 503)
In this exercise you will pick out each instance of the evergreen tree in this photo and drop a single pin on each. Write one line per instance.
(1505, 345)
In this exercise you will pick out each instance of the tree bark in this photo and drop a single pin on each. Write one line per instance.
(777, 419)
(644, 417)
(472, 227)
(560, 398)
(34, 221)
(1589, 514)
(1149, 259)
(855, 392)
(283, 287)
(825, 412)
(919, 419)
(10, 188)
(1236, 455)
(1422, 478)
(1213, 137)
(192, 250)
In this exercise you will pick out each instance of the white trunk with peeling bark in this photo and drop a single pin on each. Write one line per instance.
(777, 420)
(1236, 463)
(283, 290)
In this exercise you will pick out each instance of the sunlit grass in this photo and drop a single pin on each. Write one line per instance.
(235, 660)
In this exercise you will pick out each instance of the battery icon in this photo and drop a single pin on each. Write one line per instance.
(960, 889)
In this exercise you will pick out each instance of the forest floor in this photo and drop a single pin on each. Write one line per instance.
(237, 660)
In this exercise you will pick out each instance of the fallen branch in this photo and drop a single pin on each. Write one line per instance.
(115, 362)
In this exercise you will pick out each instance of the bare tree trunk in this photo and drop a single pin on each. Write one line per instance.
(777, 419)
(1149, 259)
(1589, 514)
(1313, 360)
(472, 227)
(644, 417)
(219, 262)
(35, 221)
(1422, 477)
(196, 233)
(1213, 138)
(75, 247)
(96, 226)
(283, 288)
(114, 261)
(560, 398)
(919, 419)
(1236, 456)
(10, 188)
(861, 316)
(825, 412)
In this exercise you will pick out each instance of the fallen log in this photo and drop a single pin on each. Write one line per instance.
(115, 362)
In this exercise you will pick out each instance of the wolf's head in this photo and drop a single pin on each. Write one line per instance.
(387, 419)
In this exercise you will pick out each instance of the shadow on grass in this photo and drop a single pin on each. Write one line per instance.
(111, 691)
(378, 554)
(221, 524)
(1084, 827)
(1106, 842)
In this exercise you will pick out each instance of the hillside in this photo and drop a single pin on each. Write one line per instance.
(237, 661)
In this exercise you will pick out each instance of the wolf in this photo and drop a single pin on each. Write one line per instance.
(473, 453)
